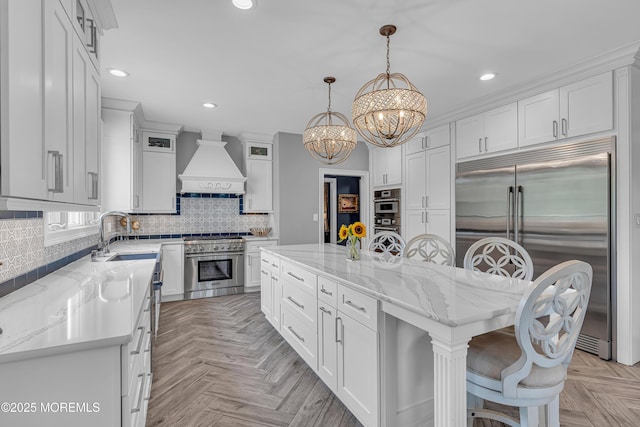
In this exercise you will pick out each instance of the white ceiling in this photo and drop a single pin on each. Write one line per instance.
(264, 67)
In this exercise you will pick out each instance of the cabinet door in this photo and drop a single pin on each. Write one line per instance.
(21, 119)
(158, 182)
(358, 369)
(501, 128)
(438, 179)
(258, 197)
(418, 143)
(378, 167)
(252, 269)
(438, 137)
(439, 222)
(587, 106)
(394, 165)
(414, 223)
(469, 136)
(173, 268)
(416, 186)
(276, 295)
(538, 118)
(58, 54)
(94, 140)
(136, 166)
(266, 294)
(327, 346)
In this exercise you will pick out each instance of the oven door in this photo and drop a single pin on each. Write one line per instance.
(389, 206)
(210, 275)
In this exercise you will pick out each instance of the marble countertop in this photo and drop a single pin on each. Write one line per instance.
(80, 306)
(450, 295)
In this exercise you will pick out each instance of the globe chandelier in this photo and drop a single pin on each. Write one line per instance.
(328, 136)
(388, 110)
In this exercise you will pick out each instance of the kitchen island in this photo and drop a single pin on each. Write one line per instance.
(75, 347)
(378, 304)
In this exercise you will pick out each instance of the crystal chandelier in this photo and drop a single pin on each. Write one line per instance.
(388, 110)
(328, 136)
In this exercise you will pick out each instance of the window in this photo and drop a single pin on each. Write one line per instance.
(62, 227)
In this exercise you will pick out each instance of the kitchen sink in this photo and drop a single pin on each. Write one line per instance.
(133, 256)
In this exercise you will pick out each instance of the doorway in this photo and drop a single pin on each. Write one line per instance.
(344, 199)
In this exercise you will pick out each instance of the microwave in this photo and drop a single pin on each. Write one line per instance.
(386, 206)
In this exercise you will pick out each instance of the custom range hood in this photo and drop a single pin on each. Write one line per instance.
(211, 170)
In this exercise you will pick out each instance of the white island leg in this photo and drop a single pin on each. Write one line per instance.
(450, 371)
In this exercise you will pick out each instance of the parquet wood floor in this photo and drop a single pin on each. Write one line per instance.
(218, 362)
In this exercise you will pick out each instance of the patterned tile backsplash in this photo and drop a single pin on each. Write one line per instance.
(22, 247)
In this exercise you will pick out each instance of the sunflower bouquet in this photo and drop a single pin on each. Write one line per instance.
(353, 233)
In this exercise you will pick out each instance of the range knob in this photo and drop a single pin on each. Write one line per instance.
(215, 248)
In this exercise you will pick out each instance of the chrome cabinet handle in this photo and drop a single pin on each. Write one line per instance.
(139, 405)
(93, 176)
(324, 310)
(324, 291)
(341, 329)
(479, 145)
(555, 128)
(422, 217)
(357, 307)
(274, 265)
(139, 346)
(264, 260)
(295, 277)
(426, 141)
(275, 279)
(57, 171)
(564, 127)
(294, 333)
(148, 396)
(263, 272)
(426, 201)
(296, 303)
(485, 144)
(422, 201)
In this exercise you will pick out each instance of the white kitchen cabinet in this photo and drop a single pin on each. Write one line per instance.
(121, 157)
(258, 169)
(58, 105)
(270, 288)
(327, 345)
(86, 126)
(433, 138)
(266, 294)
(432, 221)
(577, 109)
(172, 271)
(386, 166)
(21, 85)
(488, 132)
(252, 263)
(158, 182)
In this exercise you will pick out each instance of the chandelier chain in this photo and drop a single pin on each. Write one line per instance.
(388, 61)
(329, 107)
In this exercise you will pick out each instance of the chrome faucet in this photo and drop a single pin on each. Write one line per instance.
(103, 246)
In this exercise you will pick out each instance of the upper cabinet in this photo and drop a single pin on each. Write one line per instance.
(50, 104)
(258, 168)
(437, 137)
(577, 109)
(158, 172)
(488, 132)
(386, 166)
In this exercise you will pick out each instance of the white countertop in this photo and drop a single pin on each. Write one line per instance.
(80, 306)
(452, 296)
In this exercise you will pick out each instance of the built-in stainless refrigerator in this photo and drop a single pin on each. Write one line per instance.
(558, 204)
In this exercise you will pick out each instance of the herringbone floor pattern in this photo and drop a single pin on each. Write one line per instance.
(218, 362)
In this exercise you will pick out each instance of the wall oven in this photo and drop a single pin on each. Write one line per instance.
(213, 266)
(386, 210)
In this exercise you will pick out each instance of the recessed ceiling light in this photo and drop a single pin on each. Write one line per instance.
(244, 4)
(117, 73)
(209, 105)
(488, 76)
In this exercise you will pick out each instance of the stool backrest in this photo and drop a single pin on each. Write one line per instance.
(431, 248)
(501, 256)
(387, 243)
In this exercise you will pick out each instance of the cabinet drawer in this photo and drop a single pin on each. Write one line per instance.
(305, 279)
(271, 261)
(255, 245)
(328, 291)
(301, 302)
(359, 307)
(303, 339)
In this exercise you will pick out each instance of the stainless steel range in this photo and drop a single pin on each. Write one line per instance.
(213, 266)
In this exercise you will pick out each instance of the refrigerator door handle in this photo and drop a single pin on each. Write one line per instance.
(518, 209)
(509, 210)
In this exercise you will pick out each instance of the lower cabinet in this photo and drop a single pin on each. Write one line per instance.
(334, 330)
(252, 264)
(270, 289)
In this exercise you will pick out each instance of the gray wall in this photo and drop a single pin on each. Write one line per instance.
(296, 176)
(186, 145)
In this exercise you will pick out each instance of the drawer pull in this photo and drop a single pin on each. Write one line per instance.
(139, 346)
(324, 291)
(296, 303)
(140, 395)
(295, 277)
(265, 260)
(148, 349)
(324, 310)
(294, 333)
(263, 272)
(357, 307)
(275, 279)
(146, 310)
(150, 375)
(341, 329)
(274, 265)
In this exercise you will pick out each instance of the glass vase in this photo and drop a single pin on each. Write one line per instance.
(352, 246)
